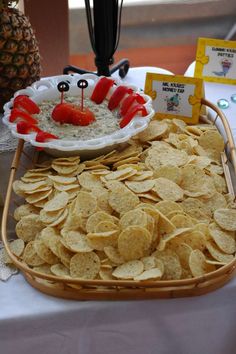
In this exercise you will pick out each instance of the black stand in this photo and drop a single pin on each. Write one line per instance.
(104, 33)
(122, 66)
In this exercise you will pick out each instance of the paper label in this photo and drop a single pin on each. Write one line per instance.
(175, 96)
(216, 61)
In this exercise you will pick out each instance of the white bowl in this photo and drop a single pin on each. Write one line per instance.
(46, 89)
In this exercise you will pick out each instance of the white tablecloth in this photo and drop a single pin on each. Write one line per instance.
(34, 323)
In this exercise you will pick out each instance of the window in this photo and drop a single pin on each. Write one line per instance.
(174, 24)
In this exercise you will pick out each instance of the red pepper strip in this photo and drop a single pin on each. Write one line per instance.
(42, 136)
(17, 113)
(130, 115)
(117, 96)
(23, 127)
(129, 100)
(101, 90)
(26, 103)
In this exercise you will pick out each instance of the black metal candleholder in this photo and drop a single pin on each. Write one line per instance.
(104, 33)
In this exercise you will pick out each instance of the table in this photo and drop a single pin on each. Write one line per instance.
(31, 322)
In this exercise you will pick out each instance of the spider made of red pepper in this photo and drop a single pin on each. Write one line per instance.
(117, 96)
(131, 113)
(26, 103)
(101, 90)
(128, 102)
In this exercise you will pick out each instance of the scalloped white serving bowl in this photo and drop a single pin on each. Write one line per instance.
(46, 89)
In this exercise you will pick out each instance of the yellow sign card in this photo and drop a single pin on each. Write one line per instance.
(175, 96)
(216, 61)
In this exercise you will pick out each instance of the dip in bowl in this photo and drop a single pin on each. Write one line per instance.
(108, 130)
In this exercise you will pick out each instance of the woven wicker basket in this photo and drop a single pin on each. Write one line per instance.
(120, 289)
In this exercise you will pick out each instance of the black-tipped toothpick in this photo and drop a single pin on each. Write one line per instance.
(62, 87)
(82, 84)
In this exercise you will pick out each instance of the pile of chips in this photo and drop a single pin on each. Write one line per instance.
(158, 209)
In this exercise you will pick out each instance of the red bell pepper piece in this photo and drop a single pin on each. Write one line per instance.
(17, 113)
(132, 112)
(67, 113)
(117, 96)
(83, 118)
(26, 103)
(62, 113)
(42, 136)
(129, 100)
(23, 127)
(101, 90)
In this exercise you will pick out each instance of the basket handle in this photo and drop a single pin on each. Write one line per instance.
(230, 139)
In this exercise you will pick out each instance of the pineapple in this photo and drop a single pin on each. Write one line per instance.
(19, 54)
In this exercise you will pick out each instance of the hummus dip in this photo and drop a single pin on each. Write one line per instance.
(107, 122)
